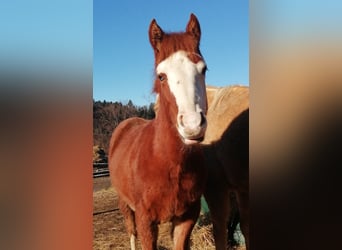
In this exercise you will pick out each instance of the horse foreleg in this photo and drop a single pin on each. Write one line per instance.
(129, 217)
(234, 219)
(243, 200)
(182, 227)
(132, 241)
(218, 203)
(147, 230)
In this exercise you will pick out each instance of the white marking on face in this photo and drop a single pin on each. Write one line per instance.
(186, 81)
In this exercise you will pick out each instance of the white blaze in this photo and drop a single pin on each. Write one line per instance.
(187, 84)
(186, 81)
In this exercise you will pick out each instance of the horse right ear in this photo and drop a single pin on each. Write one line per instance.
(156, 35)
(193, 28)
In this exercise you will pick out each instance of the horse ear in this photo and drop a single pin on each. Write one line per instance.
(193, 27)
(155, 35)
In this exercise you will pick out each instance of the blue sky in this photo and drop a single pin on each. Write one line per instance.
(46, 36)
(123, 58)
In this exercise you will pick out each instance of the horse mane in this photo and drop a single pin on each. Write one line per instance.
(224, 104)
(230, 95)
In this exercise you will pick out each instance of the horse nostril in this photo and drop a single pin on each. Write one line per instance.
(203, 119)
(181, 120)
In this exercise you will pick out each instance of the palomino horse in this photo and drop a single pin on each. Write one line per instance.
(226, 153)
(157, 167)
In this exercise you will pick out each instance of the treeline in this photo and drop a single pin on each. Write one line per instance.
(107, 115)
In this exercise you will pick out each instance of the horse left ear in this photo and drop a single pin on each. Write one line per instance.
(193, 27)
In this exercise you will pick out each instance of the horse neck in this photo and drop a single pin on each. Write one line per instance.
(168, 145)
(167, 138)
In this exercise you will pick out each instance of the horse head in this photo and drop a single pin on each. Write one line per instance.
(180, 78)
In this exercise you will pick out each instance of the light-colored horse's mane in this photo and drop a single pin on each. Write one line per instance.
(224, 103)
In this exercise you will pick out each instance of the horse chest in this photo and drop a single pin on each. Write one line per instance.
(172, 194)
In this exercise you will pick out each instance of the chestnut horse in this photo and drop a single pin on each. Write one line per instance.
(226, 152)
(157, 166)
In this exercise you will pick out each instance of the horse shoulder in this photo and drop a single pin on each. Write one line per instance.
(122, 156)
(123, 133)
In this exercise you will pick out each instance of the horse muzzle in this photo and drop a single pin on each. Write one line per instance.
(192, 127)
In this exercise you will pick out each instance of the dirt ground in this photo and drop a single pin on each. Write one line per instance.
(110, 232)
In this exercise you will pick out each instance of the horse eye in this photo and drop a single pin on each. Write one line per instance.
(161, 77)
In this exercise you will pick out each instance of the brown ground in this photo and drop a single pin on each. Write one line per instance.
(109, 229)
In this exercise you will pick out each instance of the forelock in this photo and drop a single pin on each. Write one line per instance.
(174, 42)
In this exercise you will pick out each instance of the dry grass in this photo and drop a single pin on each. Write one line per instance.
(202, 238)
(110, 233)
